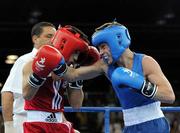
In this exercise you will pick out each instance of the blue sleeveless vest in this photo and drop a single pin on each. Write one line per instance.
(129, 97)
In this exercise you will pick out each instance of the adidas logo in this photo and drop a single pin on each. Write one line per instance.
(51, 118)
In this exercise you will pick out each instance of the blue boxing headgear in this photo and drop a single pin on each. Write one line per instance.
(115, 35)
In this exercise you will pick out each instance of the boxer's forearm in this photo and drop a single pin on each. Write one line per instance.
(28, 91)
(7, 105)
(75, 97)
(83, 73)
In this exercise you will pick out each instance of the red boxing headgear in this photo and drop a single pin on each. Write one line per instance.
(68, 40)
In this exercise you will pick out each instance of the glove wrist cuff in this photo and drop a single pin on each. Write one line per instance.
(35, 81)
(76, 85)
(149, 89)
(60, 70)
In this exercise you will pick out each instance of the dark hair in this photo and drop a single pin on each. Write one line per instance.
(75, 30)
(37, 29)
(107, 25)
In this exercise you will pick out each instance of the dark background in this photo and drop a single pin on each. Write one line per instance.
(154, 26)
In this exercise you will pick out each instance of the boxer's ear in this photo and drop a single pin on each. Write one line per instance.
(34, 38)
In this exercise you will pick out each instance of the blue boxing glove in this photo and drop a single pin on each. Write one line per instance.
(123, 76)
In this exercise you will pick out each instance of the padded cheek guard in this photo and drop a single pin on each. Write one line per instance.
(68, 40)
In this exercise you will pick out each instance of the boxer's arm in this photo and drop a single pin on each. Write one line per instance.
(154, 74)
(75, 97)
(7, 104)
(7, 111)
(75, 93)
(85, 72)
(47, 59)
(153, 84)
(124, 77)
(90, 66)
(28, 90)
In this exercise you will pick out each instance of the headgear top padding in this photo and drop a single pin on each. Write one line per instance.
(115, 35)
(68, 40)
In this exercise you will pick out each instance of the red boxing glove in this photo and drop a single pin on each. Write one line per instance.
(90, 58)
(47, 59)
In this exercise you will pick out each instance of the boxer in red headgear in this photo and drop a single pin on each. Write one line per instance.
(43, 94)
(69, 40)
(74, 46)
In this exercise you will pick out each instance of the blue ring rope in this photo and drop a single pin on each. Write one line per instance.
(107, 110)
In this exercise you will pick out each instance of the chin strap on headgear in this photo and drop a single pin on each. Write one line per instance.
(115, 35)
(69, 39)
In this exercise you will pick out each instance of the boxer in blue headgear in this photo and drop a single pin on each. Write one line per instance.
(115, 35)
(137, 79)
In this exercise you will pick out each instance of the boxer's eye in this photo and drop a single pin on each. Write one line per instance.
(49, 36)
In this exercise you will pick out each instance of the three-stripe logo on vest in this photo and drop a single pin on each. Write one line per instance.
(51, 118)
